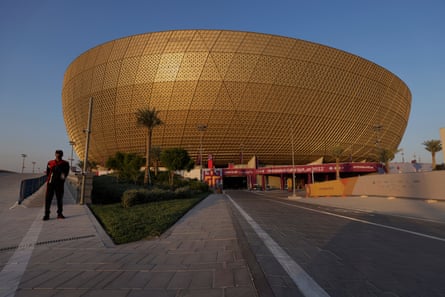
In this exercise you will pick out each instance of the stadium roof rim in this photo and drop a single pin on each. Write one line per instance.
(238, 31)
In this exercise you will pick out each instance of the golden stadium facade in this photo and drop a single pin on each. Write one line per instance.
(256, 94)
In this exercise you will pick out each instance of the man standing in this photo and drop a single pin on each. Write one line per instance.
(57, 170)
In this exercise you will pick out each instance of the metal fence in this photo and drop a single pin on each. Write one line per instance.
(30, 186)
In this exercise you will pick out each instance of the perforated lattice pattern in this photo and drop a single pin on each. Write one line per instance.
(253, 91)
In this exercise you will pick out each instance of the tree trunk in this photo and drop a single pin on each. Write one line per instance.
(147, 178)
(150, 133)
(171, 174)
(146, 162)
(433, 160)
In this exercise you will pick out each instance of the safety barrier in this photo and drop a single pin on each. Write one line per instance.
(30, 186)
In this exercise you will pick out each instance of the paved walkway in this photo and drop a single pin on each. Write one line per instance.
(199, 256)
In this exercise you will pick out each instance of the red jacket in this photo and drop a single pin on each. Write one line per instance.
(57, 171)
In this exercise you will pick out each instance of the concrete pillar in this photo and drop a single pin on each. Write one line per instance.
(282, 182)
(263, 182)
(88, 187)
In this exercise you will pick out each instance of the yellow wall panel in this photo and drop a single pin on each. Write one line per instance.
(191, 66)
(147, 69)
(169, 67)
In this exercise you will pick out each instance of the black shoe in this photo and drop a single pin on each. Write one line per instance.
(60, 216)
(46, 218)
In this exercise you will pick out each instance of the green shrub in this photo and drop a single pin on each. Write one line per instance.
(156, 194)
(107, 189)
(127, 166)
(161, 177)
(183, 192)
(139, 196)
(134, 196)
(199, 186)
(440, 167)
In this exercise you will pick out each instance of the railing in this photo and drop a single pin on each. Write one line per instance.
(30, 186)
(73, 186)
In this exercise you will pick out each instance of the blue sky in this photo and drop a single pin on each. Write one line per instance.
(39, 39)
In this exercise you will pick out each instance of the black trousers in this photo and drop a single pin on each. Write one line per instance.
(51, 189)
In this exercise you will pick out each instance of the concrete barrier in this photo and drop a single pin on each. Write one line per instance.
(421, 185)
(341, 187)
(30, 186)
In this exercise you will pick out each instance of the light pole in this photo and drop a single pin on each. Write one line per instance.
(72, 143)
(23, 162)
(377, 128)
(293, 171)
(33, 166)
(201, 128)
(241, 157)
(87, 146)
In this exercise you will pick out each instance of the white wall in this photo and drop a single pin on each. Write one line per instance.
(424, 185)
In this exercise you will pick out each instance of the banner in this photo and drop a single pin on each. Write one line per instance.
(210, 161)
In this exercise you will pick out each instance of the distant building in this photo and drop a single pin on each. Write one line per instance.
(257, 94)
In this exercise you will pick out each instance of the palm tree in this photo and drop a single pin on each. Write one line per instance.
(386, 155)
(337, 152)
(149, 118)
(91, 165)
(433, 146)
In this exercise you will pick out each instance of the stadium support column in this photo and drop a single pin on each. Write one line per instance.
(85, 160)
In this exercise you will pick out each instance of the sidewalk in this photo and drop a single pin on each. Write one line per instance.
(199, 256)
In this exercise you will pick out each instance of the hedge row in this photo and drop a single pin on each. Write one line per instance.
(139, 196)
(107, 190)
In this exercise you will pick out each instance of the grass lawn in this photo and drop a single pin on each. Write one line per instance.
(142, 221)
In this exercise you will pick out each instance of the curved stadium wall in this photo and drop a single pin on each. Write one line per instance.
(256, 93)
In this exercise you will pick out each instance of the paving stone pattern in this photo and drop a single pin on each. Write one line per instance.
(199, 256)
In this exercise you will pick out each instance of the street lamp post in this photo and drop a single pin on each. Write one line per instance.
(87, 146)
(201, 128)
(72, 143)
(377, 128)
(294, 196)
(23, 162)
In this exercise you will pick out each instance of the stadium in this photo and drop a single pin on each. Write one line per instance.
(234, 95)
